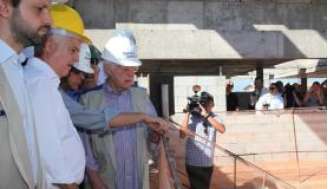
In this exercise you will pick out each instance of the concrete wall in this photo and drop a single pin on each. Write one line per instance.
(289, 145)
(215, 85)
(213, 29)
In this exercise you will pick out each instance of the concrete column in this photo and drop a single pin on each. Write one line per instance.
(259, 71)
(156, 80)
(302, 74)
(165, 100)
(220, 97)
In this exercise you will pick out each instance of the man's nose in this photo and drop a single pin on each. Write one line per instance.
(46, 19)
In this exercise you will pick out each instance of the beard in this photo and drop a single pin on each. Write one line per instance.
(24, 33)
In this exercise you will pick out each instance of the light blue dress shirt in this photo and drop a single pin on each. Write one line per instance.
(10, 61)
(125, 139)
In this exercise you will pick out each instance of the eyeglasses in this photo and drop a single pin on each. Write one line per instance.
(272, 88)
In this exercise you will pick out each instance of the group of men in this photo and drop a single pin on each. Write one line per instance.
(40, 146)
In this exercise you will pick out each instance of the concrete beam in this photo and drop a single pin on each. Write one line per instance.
(209, 44)
(238, 29)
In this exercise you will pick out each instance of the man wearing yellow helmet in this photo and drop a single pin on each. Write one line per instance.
(61, 149)
(22, 23)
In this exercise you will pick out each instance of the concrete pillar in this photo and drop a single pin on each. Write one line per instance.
(156, 80)
(259, 71)
(165, 101)
(220, 99)
(302, 74)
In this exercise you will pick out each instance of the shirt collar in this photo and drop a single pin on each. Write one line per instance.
(110, 90)
(45, 69)
(6, 51)
(21, 58)
(74, 94)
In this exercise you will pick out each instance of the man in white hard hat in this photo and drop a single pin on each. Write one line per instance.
(22, 23)
(79, 70)
(83, 118)
(123, 150)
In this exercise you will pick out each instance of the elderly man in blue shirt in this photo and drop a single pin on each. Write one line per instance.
(122, 151)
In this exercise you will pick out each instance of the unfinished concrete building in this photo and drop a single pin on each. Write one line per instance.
(219, 39)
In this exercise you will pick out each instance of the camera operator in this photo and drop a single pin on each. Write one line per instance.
(200, 119)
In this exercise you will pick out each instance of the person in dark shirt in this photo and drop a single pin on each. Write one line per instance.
(231, 98)
(324, 92)
(292, 95)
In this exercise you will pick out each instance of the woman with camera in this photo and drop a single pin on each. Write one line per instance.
(200, 147)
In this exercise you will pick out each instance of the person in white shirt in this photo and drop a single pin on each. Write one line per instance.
(259, 90)
(62, 153)
(272, 100)
(20, 26)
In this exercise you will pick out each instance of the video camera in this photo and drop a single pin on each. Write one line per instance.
(195, 100)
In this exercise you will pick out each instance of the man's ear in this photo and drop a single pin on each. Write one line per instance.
(50, 46)
(5, 8)
(107, 69)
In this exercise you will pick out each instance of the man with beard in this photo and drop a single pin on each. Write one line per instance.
(22, 23)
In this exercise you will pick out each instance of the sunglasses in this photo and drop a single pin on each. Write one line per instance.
(272, 88)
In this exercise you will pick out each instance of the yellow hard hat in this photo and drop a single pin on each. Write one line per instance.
(67, 19)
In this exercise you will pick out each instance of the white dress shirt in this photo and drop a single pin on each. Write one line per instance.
(10, 61)
(61, 149)
(275, 102)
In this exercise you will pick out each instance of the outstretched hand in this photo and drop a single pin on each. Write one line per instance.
(183, 132)
(159, 125)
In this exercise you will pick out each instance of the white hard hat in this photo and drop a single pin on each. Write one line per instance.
(83, 64)
(121, 49)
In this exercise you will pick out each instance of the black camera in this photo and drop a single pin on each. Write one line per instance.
(195, 100)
